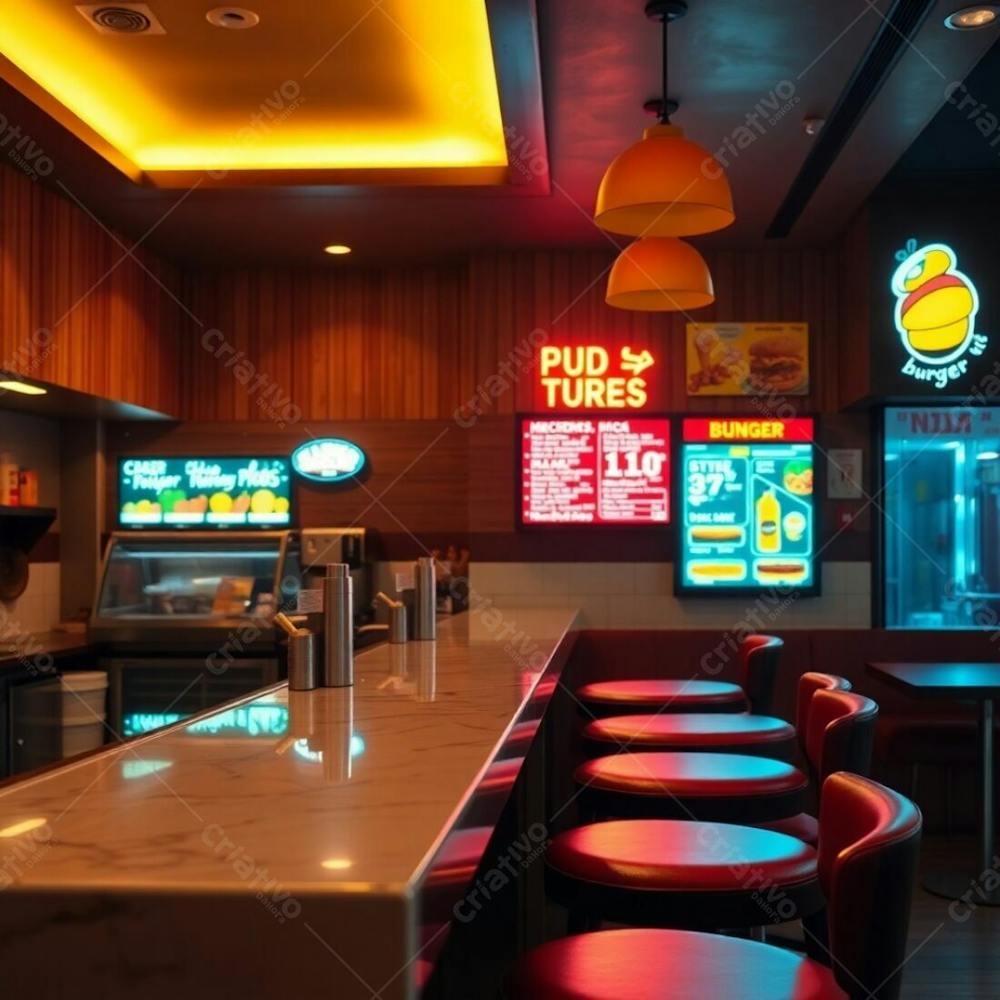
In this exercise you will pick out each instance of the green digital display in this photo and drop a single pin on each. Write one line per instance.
(747, 506)
(204, 493)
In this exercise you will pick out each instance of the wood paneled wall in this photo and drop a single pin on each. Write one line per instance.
(76, 309)
(419, 344)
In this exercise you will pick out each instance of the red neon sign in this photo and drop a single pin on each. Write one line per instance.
(594, 470)
(707, 429)
(591, 377)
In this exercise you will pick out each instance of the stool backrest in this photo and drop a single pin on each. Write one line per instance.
(809, 683)
(840, 733)
(869, 837)
(759, 656)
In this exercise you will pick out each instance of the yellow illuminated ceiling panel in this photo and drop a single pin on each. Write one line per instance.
(350, 87)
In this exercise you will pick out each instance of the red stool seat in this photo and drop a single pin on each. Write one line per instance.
(500, 776)
(664, 695)
(731, 788)
(673, 855)
(522, 736)
(802, 825)
(459, 857)
(753, 734)
(689, 775)
(638, 964)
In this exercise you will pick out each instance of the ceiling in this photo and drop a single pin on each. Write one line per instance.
(960, 140)
(572, 78)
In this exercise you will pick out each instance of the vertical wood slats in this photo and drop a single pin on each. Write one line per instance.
(114, 330)
(417, 343)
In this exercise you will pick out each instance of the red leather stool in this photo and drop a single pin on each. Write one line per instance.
(520, 738)
(735, 788)
(759, 655)
(758, 735)
(840, 737)
(674, 873)
(867, 862)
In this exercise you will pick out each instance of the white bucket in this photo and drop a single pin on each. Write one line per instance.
(84, 696)
(78, 738)
(83, 710)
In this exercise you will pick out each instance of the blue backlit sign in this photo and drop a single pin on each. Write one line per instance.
(328, 460)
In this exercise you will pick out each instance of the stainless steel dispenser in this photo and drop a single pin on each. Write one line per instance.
(338, 627)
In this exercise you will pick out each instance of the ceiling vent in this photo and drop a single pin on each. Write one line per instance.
(121, 18)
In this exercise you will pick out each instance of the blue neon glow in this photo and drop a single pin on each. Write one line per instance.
(328, 460)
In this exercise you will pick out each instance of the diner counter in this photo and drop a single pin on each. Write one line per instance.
(272, 847)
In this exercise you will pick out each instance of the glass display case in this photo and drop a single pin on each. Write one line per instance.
(192, 590)
(942, 517)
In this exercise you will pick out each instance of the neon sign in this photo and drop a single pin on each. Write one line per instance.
(936, 307)
(592, 378)
(328, 460)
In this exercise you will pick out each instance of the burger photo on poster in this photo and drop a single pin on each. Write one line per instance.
(777, 363)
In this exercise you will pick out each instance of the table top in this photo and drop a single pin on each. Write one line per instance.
(978, 681)
(334, 790)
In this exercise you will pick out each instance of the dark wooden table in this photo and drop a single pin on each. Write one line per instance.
(973, 682)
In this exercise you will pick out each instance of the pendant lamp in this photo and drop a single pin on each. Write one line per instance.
(660, 274)
(664, 185)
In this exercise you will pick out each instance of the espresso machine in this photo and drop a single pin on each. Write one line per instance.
(321, 547)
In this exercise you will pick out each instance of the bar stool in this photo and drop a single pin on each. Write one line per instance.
(867, 863)
(758, 654)
(736, 788)
(756, 735)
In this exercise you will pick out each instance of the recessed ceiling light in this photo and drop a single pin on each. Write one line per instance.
(970, 18)
(235, 18)
(337, 249)
(988, 456)
(23, 387)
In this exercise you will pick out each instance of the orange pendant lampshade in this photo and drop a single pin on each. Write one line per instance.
(664, 185)
(659, 274)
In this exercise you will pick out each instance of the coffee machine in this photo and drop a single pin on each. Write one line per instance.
(320, 547)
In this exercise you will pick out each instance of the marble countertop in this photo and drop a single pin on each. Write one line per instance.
(321, 801)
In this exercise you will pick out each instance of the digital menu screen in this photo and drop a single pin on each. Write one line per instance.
(747, 517)
(594, 470)
(204, 493)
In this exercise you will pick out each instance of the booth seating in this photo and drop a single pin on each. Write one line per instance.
(758, 666)
(737, 788)
(757, 735)
(866, 867)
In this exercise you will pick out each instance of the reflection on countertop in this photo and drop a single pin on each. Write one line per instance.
(372, 773)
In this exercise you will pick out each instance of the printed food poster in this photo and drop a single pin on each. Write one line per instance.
(597, 471)
(747, 518)
(747, 359)
(204, 492)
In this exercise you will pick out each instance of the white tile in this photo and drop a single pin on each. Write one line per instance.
(594, 612)
(654, 578)
(555, 577)
(588, 578)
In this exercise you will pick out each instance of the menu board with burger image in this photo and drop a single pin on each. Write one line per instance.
(747, 359)
(747, 517)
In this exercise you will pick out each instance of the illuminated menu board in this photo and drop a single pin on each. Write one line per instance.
(204, 493)
(747, 512)
(595, 470)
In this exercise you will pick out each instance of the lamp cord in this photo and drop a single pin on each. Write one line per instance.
(665, 106)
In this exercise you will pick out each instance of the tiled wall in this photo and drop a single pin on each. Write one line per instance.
(640, 595)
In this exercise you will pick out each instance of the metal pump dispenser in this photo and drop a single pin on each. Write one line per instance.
(338, 626)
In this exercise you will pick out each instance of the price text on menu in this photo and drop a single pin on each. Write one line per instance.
(595, 470)
(747, 516)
